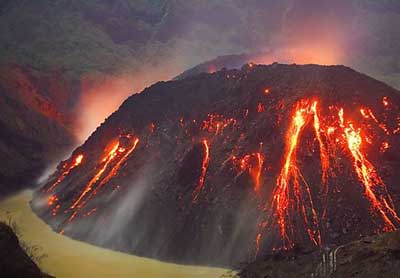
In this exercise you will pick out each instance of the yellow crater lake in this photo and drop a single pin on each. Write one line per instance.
(69, 258)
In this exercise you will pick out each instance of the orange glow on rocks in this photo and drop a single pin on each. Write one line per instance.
(260, 107)
(385, 101)
(253, 163)
(292, 196)
(368, 114)
(291, 186)
(204, 166)
(106, 160)
(76, 162)
(116, 156)
(256, 171)
(258, 240)
(322, 149)
(52, 200)
(368, 176)
(115, 169)
(384, 147)
(217, 123)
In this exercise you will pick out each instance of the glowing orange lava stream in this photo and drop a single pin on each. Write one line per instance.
(253, 163)
(113, 172)
(292, 195)
(77, 161)
(289, 184)
(204, 166)
(115, 169)
(106, 161)
(115, 151)
(256, 171)
(367, 174)
(322, 149)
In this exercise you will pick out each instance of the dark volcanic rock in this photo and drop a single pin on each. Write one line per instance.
(370, 257)
(222, 62)
(186, 193)
(14, 262)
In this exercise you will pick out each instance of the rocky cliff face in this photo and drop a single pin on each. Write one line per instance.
(224, 167)
(375, 256)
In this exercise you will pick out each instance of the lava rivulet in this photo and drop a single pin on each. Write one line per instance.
(76, 162)
(292, 190)
(368, 176)
(368, 114)
(115, 169)
(106, 160)
(117, 153)
(253, 163)
(322, 148)
(292, 196)
(204, 166)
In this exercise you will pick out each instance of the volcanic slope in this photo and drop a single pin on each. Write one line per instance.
(221, 168)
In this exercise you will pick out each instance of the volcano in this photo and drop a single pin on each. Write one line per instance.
(219, 168)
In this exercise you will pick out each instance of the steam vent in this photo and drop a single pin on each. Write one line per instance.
(220, 168)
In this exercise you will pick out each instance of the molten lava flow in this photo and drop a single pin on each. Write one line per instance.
(258, 240)
(260, 108)
(253, 163)
(115, 152)
(322, 149)
(289, 184)
(368, 176)
(256, 171)
(90, 212)
(106, 161)
(292, 195)
(52, 200)
(368, 114)
(204, 166)
(77, 161)
(115, 169)
(217, 123)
